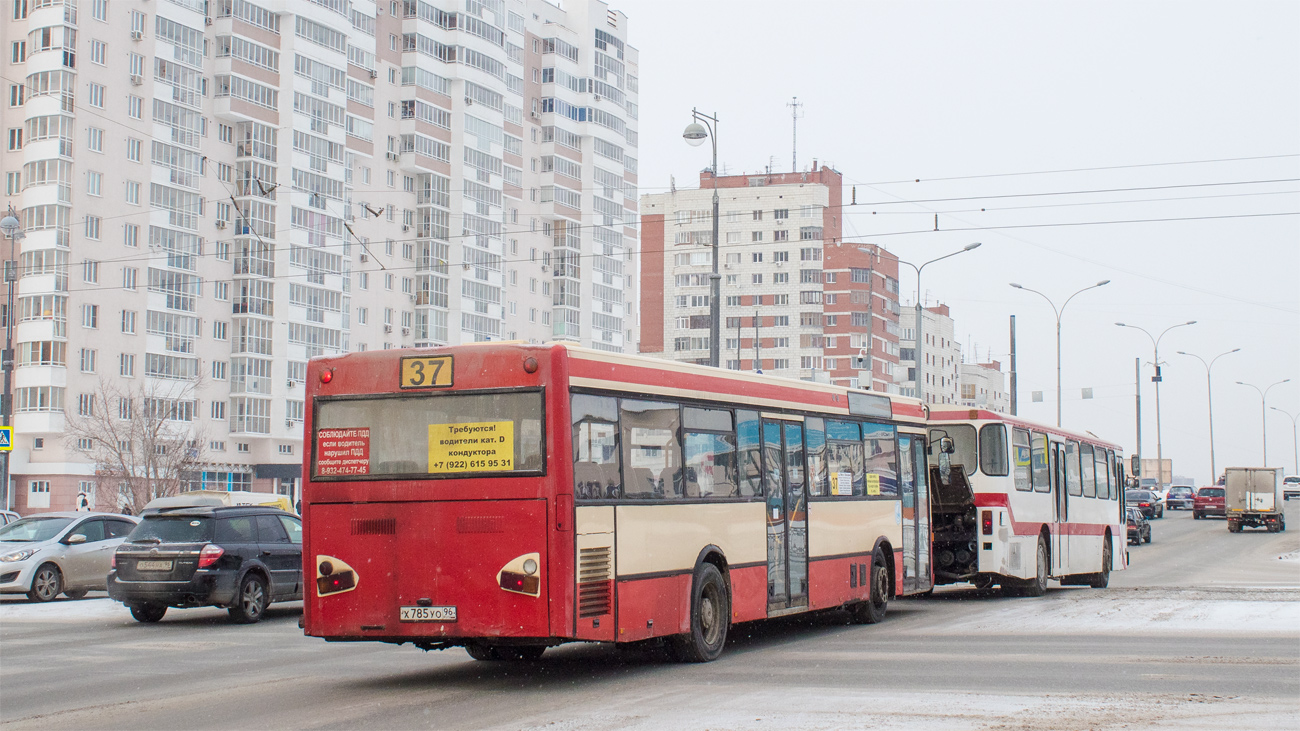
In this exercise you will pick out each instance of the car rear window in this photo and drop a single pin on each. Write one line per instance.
(172, 529)
(1211, 492)
(1137, 495)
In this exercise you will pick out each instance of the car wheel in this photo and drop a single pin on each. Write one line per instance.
(75, 594)
(1101, 579)
(873, 610)
(710, 618)
(250, 603)
(47, 583)
(1147, 537)
(148, 613)
(1196, 516)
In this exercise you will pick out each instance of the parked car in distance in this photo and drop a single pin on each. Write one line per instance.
(1290, 487)
(1146, 501)
(49, 554)
(1139, 530)
(241, 558)
(8, 516)
(1180, 497)
(1208, 501)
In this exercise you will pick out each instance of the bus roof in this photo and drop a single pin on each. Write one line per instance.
(952, 412)
(597, 369)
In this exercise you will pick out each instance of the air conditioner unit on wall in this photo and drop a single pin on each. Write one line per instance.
(136, 79)
(374, 73)
(364, 258)
(221, 224)
(137, 35)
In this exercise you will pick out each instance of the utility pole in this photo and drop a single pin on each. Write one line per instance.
(794, 105)
(1013, 365)
(1137, 376)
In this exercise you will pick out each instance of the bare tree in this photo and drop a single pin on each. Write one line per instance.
(143, 437)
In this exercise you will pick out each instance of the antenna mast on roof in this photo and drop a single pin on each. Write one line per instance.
(794, 105)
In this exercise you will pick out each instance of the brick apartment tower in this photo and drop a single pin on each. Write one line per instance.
(798, 301)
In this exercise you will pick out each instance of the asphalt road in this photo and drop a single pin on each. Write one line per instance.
(1203, 631)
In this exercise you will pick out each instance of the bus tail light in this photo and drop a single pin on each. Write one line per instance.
(521, 576)
(986, 519)
(334, 576)
(210, 554)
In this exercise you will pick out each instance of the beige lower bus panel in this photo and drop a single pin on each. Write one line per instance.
(654, 538)
(838, 527)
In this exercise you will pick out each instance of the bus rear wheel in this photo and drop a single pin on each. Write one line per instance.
(1036, 586)
(710, 618)
(873, 609)
(1101, 579)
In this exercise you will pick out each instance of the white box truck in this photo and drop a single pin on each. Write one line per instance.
(1253, 497)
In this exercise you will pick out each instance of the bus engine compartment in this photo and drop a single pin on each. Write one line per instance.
(953, 520)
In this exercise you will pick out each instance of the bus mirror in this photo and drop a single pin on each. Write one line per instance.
(946, 445)
(1135, 465)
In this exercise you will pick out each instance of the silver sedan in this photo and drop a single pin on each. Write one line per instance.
(49, 554)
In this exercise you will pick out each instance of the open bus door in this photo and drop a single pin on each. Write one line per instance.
(1060, 512)
(915, 494)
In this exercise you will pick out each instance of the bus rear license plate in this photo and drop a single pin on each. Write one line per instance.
(427, 614)
(153, 565)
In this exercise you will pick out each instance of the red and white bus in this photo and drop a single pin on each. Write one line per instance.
(1015, 503)
(509, 497)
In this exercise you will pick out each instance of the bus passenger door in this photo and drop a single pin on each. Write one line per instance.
(924, 579)
(784, 484)
(915, 496)
(1061, 513)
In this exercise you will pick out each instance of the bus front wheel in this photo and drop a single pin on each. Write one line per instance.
(710, 618)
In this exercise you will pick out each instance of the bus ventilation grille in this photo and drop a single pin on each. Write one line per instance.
(480, 524)
(595, 574)
(374, 526)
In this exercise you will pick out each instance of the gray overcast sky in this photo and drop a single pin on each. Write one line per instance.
(900, 91)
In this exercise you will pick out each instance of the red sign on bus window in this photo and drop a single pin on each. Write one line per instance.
(343, 451)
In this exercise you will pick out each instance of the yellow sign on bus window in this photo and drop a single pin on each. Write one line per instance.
(873, 483)
(430, 371)
(484, 446)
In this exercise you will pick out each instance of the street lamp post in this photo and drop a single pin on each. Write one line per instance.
(1209, 399)
(1263, 412)
(1058, 314)
(12, 229)
(694, 135)
(1295, 445)
(1155, 342)
(920, 316)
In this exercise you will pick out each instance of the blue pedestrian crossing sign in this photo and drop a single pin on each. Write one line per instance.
(6, 438)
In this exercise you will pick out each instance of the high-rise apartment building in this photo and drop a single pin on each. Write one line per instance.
(984, 386)
(797, 300)
(214, 191)
(940, 351)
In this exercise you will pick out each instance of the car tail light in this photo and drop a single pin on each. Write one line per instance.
(987, 520)
(210, 554)
(1144, 505)
(113, 562)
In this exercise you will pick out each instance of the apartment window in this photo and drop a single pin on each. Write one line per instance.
(780, 235)
(96, 139)
(219, 411)
(781, 278)
(13, 183)
(363, 280)
(92, 227)
(19, 53)
(781, 213)
(756, 236)
(363, 315)
(15, 138)
(90, 316)
(224, 172)
(225, 133)
(97, 52)
(16, 95)
(130, 277)
(219, 370)
(133, 147)
(781, 299)
(756, 279)
(758, 215)
(241, 447)
(128, 322)
(99, 10)
(134, 107)
(220, 330)
(90, 271)
(133, 192)
(88, 358)
(756, 257)
(95, 184)
(96, 96)
(86, 404)
(221, 291)
(126, 366)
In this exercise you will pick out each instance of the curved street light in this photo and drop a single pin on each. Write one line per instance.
(695, 134)
(1263, 412)
(920, 316)
(1059, 313)
(1295, 445)
(1155, 342)
(1209, 399)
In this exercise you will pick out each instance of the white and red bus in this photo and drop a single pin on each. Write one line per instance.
(508, 497)
(1015, 503)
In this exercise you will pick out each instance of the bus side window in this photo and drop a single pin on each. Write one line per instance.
(710, 455)
(1073, 485)
(815, 435)
(595, 448)
(1022, 459)
(1042, 468)
(749, 459)
(844, 458)
(1116, 479)
(993, 450)
(882, 463)
(652, 459)
(1086, 470)
(1103, 477)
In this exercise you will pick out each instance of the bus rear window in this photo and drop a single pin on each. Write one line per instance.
(429, 435)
